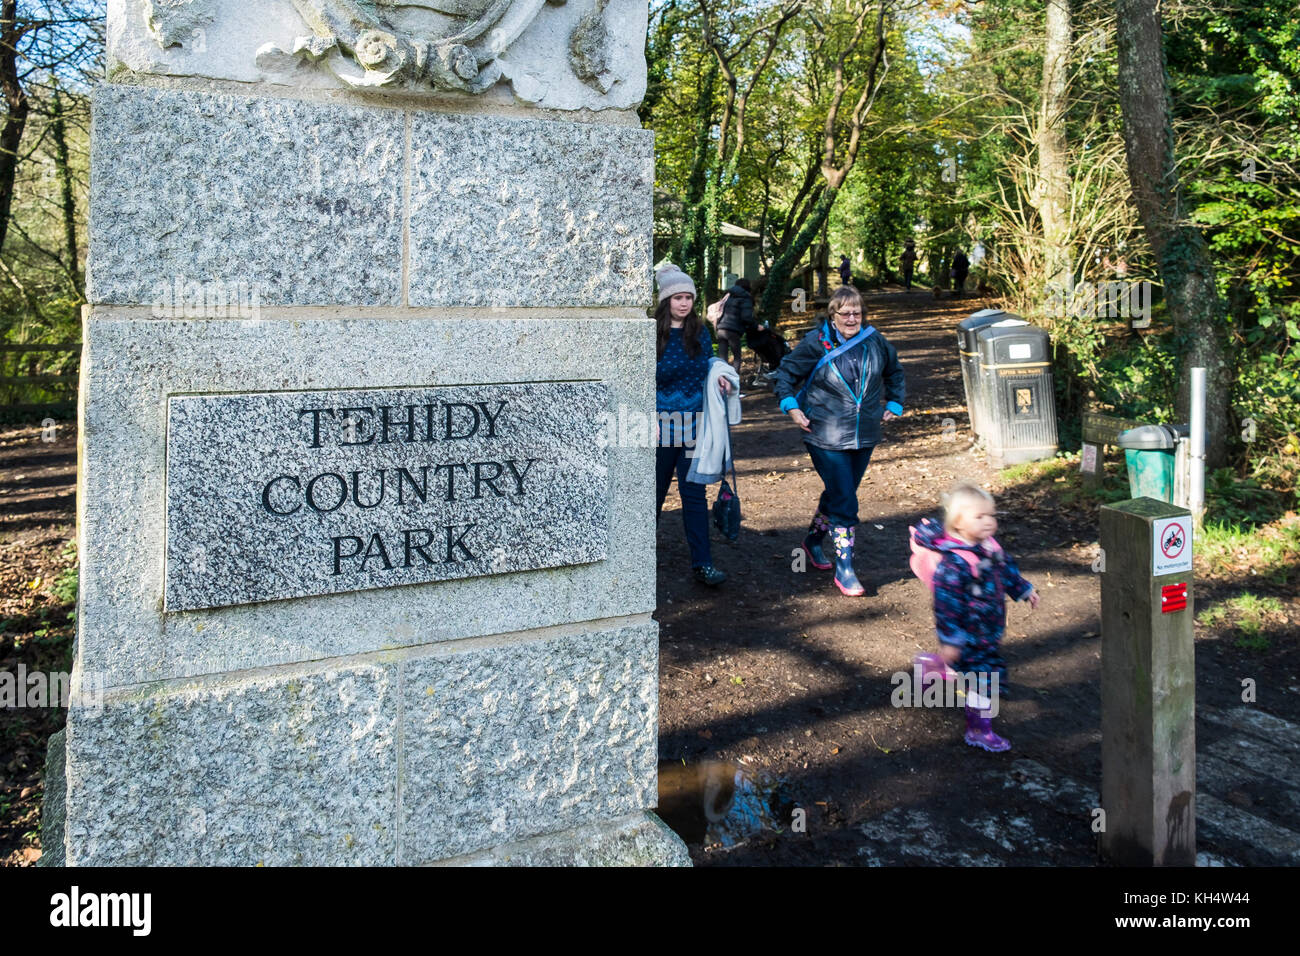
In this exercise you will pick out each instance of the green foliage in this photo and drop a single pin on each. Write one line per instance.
(41, 286)
(1242, 502)
(1249, 616)
(950, 155)
(1139, 381)
(1236, 79)
(64, 589)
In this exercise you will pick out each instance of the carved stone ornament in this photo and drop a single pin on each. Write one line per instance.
(174, 22)
(589, 46)
(446, 44)
(410, 44)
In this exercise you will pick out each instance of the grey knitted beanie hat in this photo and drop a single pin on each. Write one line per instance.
(673, 280)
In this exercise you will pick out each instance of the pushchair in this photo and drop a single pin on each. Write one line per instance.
(770, 348)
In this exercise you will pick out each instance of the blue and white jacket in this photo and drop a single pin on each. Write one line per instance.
(845, 399)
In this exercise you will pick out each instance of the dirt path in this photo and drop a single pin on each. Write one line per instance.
(776, 671)
(38, 480)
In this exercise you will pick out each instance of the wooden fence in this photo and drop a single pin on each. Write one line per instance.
(39, 380)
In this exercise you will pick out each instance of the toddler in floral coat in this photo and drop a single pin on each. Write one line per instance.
(971, 579)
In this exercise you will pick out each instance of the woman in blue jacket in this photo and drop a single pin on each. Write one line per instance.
(834, 385)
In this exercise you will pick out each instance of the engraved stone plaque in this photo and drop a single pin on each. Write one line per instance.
(288, 494)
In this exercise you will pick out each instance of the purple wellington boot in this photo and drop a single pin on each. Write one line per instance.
(979, 733)
(933, 664)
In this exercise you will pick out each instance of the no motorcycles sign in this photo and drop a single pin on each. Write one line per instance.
(1172, 548)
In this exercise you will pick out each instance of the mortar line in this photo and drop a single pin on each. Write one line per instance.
(618, 313)
(583, 830)
(395, 655)
(450, 104)
(406, 214)
(401, 739)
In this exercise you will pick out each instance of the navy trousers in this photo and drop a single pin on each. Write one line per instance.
(695, 504)
(841, 472)
(729, 348)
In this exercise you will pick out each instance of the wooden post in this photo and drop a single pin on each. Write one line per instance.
(1148, 685)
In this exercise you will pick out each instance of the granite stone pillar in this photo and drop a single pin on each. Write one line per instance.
(362, 579)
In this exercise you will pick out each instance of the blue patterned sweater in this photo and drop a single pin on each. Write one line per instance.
(679, 384)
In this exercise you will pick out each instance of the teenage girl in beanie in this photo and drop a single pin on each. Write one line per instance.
(685, 351)
(833, 386)
(970, 596)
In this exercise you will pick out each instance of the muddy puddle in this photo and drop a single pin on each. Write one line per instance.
(717, 803)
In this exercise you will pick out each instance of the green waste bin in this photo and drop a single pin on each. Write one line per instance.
(1149, 452)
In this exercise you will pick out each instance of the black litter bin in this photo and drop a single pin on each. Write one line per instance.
(1016, 377)
(977, 402)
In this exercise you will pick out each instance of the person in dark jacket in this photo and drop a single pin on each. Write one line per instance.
(833, 386)
(907, 262)
(737, 320)
(960, 270)
(846, 270)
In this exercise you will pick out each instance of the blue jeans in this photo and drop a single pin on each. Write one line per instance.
(841, 472)
(695, 505)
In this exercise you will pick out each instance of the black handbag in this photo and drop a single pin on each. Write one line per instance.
(726, 509)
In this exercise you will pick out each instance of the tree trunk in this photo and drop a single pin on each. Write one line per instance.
(712, 240)
(1053, 192)
(690, 249)
(11, 134)
(770, 308)
(68, 198)
(823, 259)
(1184, 262)
(832, 173)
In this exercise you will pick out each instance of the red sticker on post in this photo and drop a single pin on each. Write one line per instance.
(1173, 597)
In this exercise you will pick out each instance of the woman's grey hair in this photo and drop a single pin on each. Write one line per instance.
(845, 293)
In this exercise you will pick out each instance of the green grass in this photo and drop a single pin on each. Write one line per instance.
(1247, 615)
(1248, 532)
(1270, 552)
(1062, 477)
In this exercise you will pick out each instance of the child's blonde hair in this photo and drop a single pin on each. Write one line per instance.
(959, 497)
